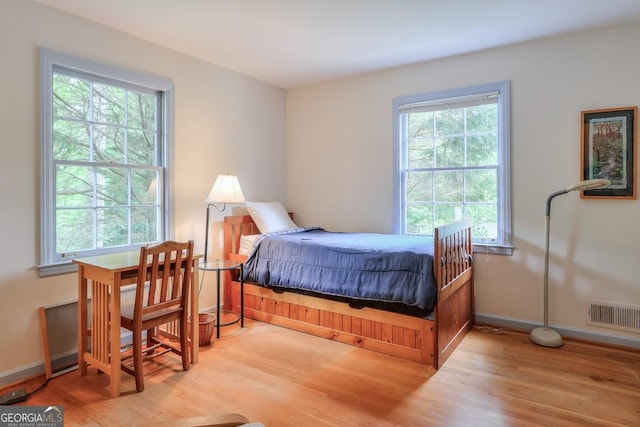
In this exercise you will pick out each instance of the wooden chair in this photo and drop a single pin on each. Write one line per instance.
(161, 297)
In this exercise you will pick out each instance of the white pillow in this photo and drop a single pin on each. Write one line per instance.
(270, 217)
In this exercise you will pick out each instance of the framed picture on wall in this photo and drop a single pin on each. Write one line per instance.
(608, 150)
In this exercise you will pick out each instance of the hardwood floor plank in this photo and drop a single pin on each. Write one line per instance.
(286, 378)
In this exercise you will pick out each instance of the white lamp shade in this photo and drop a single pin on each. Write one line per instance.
(226, 189)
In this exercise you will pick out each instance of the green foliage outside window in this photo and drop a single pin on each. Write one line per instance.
(452, 168)
(105, 154)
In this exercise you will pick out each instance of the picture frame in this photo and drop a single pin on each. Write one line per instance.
(608, 151)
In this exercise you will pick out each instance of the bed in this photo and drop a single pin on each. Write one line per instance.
(413, 335)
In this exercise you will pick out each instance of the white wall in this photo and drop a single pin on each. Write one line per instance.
(224, 122)
(339, 145)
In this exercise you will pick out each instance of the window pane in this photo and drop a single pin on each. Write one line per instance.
(113, 227)
(108, 144)
(71, 97)
(481, 185)
(420, 140)
(68, 224)
(113, 186)
(142, 110)
(144, 187)
(449, 186)
(450, 152)
(142, 147)
(482, 150)
(482, 118)
(144, 224)
(419, 187)
(419, 219)
(485, 220)
(70, 140)
(448, 212)
(449, 122)
(74, 186)
(108, 104)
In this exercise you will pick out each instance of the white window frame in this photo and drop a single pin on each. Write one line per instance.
(50, 262)
(503, 243)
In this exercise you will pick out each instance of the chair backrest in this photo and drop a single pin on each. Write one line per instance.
(166, 268)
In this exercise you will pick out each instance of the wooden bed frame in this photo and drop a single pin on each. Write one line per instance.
(428, 341)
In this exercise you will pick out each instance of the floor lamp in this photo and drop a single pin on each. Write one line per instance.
(225, 190)
(544, 335)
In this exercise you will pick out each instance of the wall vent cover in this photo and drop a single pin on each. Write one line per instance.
(615, 316)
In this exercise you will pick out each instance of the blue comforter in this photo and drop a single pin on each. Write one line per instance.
(362, 266)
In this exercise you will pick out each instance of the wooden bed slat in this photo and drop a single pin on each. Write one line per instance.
(423, 340)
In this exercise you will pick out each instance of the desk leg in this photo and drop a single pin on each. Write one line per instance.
(114, 340)
(195, 323)
(82, 320)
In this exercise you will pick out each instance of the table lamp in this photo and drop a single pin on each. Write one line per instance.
(226, 190)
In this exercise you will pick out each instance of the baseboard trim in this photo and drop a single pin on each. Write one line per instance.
(570, 333)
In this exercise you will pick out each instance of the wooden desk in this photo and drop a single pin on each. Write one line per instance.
(106, 274)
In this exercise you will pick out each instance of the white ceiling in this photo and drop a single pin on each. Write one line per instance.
(290, 43)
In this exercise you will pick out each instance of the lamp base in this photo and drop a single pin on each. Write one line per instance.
(546, 337)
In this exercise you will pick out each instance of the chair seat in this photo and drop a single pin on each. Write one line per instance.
(127, 315)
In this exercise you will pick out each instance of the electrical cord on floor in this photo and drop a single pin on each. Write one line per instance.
(486, 328)
(19, 395)
(40, 387)
(494, 329)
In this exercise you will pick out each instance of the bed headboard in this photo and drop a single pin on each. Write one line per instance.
(234, 227)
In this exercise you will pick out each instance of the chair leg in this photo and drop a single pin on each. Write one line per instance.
(184, 344)
(137, 361)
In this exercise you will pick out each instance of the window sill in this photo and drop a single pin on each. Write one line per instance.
(56, 269)
(479, 248)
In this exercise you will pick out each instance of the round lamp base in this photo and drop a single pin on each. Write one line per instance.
(546, 337)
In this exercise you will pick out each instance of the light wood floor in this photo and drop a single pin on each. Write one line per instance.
(285, 378)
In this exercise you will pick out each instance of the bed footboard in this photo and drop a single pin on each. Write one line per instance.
(453, 267)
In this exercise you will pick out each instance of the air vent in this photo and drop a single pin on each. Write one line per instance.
(615, 316)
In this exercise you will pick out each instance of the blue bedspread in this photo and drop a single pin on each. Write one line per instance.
(363, 266)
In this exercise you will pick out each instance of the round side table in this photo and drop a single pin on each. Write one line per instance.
(225, 265)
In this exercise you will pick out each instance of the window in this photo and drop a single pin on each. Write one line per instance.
(105, 169)
(452, 162)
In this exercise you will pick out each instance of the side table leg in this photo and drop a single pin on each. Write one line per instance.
(242, 295)
(218, 319)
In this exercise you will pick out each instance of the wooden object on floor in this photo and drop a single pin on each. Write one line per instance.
(284, 378)
(42, 316)
(103, 277)
(162, 296)
(428, 341)
(222, 420)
